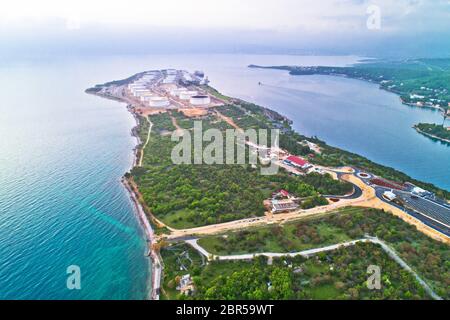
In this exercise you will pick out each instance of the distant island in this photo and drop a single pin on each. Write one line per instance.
(435, 131)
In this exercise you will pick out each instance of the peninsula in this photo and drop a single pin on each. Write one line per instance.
(225, 231)
(434, 131)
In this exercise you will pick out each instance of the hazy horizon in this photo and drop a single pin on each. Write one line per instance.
(400, 29)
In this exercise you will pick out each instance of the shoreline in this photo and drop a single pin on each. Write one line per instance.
(447, 141)
(153, 285)
(360, 78)
(156, 260)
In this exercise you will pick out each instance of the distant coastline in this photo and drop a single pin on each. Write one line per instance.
(357, 75)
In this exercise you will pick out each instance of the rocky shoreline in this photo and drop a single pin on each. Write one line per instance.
(156, 260)
(431, 135)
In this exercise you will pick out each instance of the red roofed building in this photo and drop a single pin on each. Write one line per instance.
(284, 193)
(298, 162)
(280, 194)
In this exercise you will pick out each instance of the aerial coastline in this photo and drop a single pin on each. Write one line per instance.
(140, 111)
(141, 213)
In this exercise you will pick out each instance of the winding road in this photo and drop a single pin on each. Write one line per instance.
(310, 252)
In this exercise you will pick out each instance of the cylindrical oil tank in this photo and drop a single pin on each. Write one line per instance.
(176, 92)
(158, 102)
(186, 95)
(199, 100)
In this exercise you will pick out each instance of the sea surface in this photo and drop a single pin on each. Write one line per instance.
(63, 152)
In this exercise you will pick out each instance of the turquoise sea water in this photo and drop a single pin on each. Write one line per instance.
(61, 202)
(62, 153)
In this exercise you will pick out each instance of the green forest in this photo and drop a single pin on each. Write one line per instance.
(434, 129)
(428, 257)
(194, 195)
(340, 274)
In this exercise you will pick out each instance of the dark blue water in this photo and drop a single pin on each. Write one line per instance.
(62, 153)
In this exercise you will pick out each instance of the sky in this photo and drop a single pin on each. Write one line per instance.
(290, 26)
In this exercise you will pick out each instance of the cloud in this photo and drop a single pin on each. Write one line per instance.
(331, 26)
(318, 15)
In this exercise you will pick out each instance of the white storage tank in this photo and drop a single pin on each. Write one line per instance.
(140, 92)
(133, 86)
(177, 92)
(146, 97)
(158, 102)
(186, 95)
(199, 100)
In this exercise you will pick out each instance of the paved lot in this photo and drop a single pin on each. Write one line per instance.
(429, 212)
(428, 207)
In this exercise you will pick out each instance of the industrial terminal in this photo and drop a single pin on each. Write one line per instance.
(169, 89)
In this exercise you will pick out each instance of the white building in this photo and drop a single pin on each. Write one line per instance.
(389, 196)
(186, 285)
(283, 206)
(419, 191)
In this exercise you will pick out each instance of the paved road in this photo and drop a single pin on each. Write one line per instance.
(434, 213)
(357, 192)
(156, 276)
(307, 253)
(428, 212)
